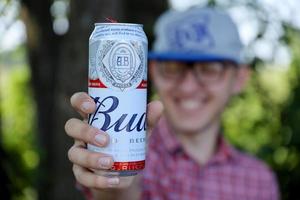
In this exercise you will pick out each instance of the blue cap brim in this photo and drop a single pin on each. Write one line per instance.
(188, 57)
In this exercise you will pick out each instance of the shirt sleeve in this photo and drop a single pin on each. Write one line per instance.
(275, 194)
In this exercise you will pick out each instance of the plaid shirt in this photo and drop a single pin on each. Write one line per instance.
(229, 175)
(171, 174)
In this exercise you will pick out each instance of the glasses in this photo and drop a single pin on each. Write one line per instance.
(206, 72)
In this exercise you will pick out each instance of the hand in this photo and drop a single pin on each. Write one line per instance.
(84, 160)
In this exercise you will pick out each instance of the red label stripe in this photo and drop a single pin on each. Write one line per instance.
(96, 84)
(124, 166)
(142, 85)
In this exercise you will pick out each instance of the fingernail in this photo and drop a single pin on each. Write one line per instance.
(101, 139)
(86, 106)
(113, 181)
(104, 162)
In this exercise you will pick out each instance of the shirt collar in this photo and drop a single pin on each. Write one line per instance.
(224, 150)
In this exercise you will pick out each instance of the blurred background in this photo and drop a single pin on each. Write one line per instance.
(43, 61)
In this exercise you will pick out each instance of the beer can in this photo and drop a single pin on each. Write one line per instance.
(118, 84)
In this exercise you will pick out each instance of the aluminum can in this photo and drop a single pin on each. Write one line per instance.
(118, 84)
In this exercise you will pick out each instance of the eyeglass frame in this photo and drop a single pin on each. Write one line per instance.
(225, 64)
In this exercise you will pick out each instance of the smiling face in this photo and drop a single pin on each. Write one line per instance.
(195, 99)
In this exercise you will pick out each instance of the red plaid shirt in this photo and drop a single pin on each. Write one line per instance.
(230, 175)
(171, 174)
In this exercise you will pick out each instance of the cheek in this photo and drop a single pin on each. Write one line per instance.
(166, 92)
(221, 93)
(227, 85)
(163, 87)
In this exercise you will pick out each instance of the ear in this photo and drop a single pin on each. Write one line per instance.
(242, 77)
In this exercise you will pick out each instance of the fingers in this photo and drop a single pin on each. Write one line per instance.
(83, 103)
(83, 160)
(154, 111)
(82, 131)
(88, 179)
(88, 159)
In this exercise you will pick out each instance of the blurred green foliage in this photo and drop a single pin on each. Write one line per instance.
(264, 120)
(289, 172)
(18, 125)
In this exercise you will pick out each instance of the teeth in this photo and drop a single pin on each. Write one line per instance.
(190, 104)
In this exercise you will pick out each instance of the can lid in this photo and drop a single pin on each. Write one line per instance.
(117, 24)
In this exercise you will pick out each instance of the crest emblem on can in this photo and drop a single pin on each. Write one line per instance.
(121, 66)
(122, 62)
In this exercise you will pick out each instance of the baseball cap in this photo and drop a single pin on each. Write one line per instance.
(197, 34)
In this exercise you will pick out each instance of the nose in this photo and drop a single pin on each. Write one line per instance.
(189, 83)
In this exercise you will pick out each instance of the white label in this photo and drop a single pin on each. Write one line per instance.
(123, 116)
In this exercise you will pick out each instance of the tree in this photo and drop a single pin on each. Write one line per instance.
(4, 179)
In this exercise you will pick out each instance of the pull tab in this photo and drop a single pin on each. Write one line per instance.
(111, 20)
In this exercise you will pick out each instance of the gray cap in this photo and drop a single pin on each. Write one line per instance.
(197, 34)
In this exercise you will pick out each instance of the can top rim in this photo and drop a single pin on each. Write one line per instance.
(118, 24)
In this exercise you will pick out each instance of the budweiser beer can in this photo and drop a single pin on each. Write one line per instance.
(118, 85)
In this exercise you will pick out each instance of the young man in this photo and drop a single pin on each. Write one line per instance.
(196, 66)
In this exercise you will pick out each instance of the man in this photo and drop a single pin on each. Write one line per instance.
(196, 66)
